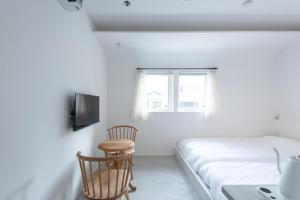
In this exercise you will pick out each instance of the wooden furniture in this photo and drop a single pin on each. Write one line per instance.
(100, 181)
(122, 132)
(117, 147)
(243, 192)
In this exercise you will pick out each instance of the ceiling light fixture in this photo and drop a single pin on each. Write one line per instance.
(127, 3)
(187, 2)
(247, 3)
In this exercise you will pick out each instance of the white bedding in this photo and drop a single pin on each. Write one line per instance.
(199, 151)
(235, 161)
(217, 174)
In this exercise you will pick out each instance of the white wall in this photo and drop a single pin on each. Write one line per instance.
(286, 92)
(46, 55)
(244, 96)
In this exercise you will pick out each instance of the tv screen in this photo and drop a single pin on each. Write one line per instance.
(86, 110)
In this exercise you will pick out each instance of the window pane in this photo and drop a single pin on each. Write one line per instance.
(157, 92)
(191, 93)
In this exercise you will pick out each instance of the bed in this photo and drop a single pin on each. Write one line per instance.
(213, 162)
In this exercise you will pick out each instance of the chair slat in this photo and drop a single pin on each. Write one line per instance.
(85, 177)
(92, 180)
(100, 179)
(122, 131)
(117, 181)
(108, 177)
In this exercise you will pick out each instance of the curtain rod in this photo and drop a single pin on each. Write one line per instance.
(208, 68)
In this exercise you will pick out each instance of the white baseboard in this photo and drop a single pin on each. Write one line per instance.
(153, 154)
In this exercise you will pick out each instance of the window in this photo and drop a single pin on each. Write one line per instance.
(157, 92)
(175, 91)
(191, 93)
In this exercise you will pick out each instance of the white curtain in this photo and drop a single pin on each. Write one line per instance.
(139, 106)
(210, 97)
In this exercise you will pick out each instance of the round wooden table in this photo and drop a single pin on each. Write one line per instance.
(116, 145)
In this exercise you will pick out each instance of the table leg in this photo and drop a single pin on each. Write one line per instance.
(132, 187)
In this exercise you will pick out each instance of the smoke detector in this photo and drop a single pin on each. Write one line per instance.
(71, 5)
(127, 3)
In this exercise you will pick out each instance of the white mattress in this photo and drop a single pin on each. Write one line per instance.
(234, 161)
(217, 174)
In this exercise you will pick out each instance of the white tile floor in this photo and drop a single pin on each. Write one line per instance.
(160, 178)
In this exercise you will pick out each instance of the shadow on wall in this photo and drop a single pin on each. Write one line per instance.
(70, 99)
(99, 131)
(62, 187)
(21, 192)
(99, 136)
(68, 108)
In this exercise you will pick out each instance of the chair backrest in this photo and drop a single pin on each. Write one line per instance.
(122, 132)
(102, 180)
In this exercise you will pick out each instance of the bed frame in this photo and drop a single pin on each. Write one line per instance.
(198, 183)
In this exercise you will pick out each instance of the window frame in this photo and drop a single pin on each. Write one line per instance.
(173, 89)
(194, 73)
(170, 91)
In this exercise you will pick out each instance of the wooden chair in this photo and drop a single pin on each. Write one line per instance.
(100, 181)
(122, 132)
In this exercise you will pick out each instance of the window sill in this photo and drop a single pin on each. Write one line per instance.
(183, 112)
(175, 115)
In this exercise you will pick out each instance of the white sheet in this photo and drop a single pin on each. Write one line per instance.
(236, 161)
(200, 151)
(217, 174)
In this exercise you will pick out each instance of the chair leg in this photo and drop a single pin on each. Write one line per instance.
(127, 196)
(131, 174)
(131, 170)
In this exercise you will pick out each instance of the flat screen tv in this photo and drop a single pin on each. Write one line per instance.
(86, 111)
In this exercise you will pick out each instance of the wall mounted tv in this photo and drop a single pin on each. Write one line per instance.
(86, 111)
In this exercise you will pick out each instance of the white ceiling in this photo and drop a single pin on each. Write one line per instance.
(173, 15)
(191, 43)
